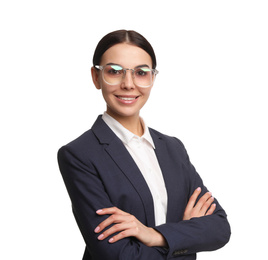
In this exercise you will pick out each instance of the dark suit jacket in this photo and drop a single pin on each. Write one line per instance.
(99, 172)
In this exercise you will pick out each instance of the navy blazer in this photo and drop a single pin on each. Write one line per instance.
(99, 172)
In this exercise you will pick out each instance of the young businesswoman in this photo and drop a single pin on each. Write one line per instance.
(134, 192)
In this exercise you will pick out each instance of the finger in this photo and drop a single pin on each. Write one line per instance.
(113, 219)
(122, 228)
(202, 201)
(211, 209)
(107, 222)
(110, 211)
(126, 233)
(192, 200)
(206, 206)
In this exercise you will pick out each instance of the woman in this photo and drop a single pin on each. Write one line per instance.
(134, 192)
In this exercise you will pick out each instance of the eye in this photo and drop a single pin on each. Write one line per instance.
(142, 72)
(114, 70)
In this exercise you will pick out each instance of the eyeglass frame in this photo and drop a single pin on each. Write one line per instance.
(100, 67)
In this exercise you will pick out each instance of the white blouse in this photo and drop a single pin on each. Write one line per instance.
(142, 151)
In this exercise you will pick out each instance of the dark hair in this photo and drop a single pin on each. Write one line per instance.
(122, 36)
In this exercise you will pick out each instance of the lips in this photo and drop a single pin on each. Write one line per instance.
(127, 99)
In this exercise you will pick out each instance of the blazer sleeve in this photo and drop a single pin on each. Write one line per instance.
(87, 194)
(197, 234)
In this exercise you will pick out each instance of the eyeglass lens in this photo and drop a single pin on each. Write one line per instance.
(142, 76)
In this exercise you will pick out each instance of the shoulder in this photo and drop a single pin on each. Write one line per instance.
(84, 140)
(81, 147)
(91, 141)
(174, 146)
(170, 140)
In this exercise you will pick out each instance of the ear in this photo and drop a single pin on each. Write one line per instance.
(95, 77)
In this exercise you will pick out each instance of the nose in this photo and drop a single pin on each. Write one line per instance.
(127, 81)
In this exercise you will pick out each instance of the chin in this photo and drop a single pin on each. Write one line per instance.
(123, 113)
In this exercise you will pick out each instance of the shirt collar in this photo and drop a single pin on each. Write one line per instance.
(124, 134)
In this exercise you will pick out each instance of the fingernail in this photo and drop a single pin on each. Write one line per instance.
(97, 229)
(100, 236)
(198, 189)
(111, 240)
(99, 211)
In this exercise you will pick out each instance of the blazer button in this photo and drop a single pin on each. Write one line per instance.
(179, 252)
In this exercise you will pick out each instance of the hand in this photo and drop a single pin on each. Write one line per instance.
(127, 226)
(202, 208)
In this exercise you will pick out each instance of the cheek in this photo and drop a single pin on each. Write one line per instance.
(145, 97)
(146, 92)
(105, 95)
(107, 92)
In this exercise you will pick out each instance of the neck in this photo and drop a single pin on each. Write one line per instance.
(131, 123)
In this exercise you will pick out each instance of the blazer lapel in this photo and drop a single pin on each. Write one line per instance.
(168, 173)
(117, 151)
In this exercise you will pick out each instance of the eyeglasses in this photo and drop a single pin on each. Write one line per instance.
(142, 76)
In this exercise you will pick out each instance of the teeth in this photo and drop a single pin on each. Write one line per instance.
(127, 99)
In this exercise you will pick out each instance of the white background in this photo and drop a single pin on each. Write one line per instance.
(210, 92)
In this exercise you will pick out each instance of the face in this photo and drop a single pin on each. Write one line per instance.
(124, 99)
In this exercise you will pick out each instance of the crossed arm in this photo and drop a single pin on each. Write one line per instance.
(126, 225)
(87, 194)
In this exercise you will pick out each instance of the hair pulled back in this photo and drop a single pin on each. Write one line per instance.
(122, 36)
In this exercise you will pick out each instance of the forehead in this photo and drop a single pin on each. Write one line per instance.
(127, 55)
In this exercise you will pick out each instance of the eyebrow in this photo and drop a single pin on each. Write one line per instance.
(143, 65)
(139, 66)
(113, 64)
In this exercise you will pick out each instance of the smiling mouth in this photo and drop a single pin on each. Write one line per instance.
(127, 98)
